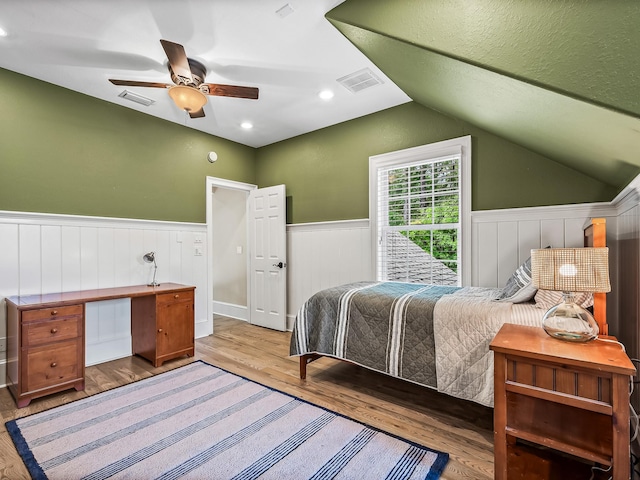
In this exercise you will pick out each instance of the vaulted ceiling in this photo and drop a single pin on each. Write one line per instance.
(561, 78)
(288, 50)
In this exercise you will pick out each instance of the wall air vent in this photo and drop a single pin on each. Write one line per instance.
(134, 97)
(360, 80)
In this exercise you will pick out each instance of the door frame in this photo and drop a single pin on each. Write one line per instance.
(211, 183)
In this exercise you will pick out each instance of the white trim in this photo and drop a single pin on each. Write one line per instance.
(543, 213)
(239, 312)
(31, 218)
(632, 186)
(291, 320)
(329, 225)
(203, 328)
(3, 372)
(629, 197)
(455, 146)
(210, 184)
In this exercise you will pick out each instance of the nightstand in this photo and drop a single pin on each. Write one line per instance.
(559, 406)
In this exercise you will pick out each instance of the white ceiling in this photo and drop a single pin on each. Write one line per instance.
(81, 44)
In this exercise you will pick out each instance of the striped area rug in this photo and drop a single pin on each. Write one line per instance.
(199, 422)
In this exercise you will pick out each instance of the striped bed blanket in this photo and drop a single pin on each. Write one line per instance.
(435, 336)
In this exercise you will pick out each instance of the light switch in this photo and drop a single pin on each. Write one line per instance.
(197, 251)
(239, 249)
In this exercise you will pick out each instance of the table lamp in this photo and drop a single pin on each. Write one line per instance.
(570, 270)
(151, 258)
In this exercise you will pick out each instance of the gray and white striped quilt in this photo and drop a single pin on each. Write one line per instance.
(385, 326)
(432, 335)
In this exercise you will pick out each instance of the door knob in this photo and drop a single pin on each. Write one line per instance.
(280, 265)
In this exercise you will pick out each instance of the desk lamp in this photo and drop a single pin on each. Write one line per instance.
(151, 258)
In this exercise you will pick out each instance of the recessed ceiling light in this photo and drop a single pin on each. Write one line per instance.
(246, 125)
(3, 32)
(326, 94)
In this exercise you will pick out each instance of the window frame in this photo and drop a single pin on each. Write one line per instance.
(400, 158)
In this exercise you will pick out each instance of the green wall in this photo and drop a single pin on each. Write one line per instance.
(64, 152)
(326, 172)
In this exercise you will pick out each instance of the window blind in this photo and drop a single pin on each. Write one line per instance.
(418, 220)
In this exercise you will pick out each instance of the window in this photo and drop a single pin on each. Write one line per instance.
(420, 202)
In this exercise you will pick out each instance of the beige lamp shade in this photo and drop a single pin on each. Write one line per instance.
(187, 98)
(571, 269)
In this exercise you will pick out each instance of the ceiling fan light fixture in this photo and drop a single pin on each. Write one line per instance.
(187, 98)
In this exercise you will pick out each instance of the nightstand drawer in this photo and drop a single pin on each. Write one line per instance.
(53, 364)
(52, 313)
(38, 333)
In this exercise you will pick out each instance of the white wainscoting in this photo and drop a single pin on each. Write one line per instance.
(326, 254)
(41, 253)
(503, 239)
(322, 255)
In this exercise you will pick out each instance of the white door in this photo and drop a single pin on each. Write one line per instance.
(268, 257)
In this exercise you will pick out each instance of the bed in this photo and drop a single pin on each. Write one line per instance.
(435, 336)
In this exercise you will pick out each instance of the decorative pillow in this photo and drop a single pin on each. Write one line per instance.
(519, 287)
(546, 299)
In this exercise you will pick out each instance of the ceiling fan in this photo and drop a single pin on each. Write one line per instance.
(189, 92)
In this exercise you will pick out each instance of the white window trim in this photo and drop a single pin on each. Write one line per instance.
(461, 146)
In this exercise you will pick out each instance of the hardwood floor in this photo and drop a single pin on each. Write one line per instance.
(463, 429)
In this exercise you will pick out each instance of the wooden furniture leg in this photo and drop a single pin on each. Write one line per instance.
(304, 360)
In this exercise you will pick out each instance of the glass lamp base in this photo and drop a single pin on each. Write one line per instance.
(569, 321)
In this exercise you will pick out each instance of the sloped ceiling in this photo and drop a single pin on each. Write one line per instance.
(561, 78)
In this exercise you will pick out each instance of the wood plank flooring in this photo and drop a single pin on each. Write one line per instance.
(463, 429)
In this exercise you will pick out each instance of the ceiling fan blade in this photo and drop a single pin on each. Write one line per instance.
(198, 114)
(132, 83)
(178, 60)
(230, 91)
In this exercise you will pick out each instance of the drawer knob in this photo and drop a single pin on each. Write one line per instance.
(54, 330)
(54, 312)
(176, 296)
(159, 330)
(54, 365)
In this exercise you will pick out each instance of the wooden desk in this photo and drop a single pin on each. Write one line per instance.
(45, 334)
(568, 398)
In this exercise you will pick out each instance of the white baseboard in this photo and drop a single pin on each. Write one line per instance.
(290, 321)
(3, 372)
(203, 328)
(239, 312)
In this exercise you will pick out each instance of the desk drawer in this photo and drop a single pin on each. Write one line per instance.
(51, 313)
(175, 297)
(53, 364)
(38, 333)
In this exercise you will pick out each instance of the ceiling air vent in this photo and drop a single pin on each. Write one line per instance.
(284, 11)
(360, 80)
(134, 97)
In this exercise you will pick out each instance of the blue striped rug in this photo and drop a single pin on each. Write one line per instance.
(198, 422)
